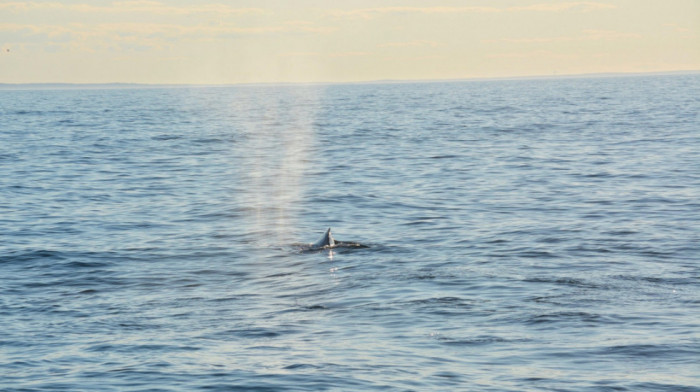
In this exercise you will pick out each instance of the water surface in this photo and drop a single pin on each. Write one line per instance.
(526, 235)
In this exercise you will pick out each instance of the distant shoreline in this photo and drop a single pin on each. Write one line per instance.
(125, 86)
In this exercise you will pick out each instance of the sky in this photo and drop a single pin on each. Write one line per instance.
(272, 41)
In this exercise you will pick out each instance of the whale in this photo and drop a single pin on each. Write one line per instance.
(325, 241)
(328, 242)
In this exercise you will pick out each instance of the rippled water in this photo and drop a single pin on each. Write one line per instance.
(532, 235)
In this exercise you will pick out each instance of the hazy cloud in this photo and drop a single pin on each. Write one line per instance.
(122, 7)
(587, 35)
(677, 28)
(411, 44)
(580, 6)
(149, 31)
(159, 28)
(124, 35)
(323, 54)
(533, 54)
(609, 35)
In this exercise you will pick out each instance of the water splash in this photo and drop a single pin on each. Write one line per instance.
(281, 138)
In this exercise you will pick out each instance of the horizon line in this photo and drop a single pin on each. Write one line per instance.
(125, 85)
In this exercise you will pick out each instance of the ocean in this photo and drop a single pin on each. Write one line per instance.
(522, 235)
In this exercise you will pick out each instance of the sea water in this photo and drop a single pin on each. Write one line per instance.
(523, 235)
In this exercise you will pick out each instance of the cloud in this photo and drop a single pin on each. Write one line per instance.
(533, 54)
(87, 38)
(411, 44)
(25, 29)
(587, 35)
(608, 35)
(677, 28)
(129, 35)
(195, 22)
(126, 7)
(373, 12)
(321, 54)
(157, 29)
(578, 6)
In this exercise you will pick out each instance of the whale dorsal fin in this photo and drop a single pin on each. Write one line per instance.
(326, 240)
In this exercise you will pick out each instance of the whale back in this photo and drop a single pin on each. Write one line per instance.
(326, 240)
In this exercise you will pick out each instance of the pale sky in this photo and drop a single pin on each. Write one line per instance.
(250, 41)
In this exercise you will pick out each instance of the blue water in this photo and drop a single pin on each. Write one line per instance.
(524, 235)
